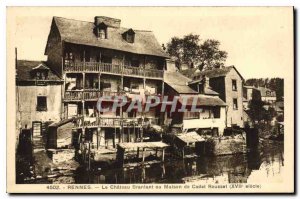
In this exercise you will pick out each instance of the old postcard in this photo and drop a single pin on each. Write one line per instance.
(150, 100)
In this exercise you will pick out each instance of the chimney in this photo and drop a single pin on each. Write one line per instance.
(110, 22)
(203, 85)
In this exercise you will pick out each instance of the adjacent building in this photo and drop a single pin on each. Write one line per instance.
(211, 117)
(267, 95)
(228, 83)
(38, 95)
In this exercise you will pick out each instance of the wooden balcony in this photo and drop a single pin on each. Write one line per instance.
(116, 69)
(89, 95)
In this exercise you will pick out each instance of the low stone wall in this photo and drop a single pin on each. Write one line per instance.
(63, 155)
(226, 145)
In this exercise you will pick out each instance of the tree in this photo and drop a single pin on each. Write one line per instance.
(190, 50)
(211, 56)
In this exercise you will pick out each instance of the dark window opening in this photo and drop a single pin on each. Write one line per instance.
(106, 59)
(235, 104)
(105, 85)
(135, 63)
(234, 85)
(41, 103)
(102, 33)
(69, 58)
(130, 38)
(216, 111)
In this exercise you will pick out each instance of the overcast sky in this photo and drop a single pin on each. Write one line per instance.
(259, 41)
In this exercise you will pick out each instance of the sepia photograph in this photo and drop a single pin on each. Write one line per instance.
(150, 99)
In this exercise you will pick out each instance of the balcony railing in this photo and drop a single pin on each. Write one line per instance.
(113, 69)
(89, 94)
(110, 122)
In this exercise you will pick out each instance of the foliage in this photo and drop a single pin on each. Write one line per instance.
(190, 50)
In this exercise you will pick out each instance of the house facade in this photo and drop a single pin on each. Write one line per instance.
(211, 114)
(38, 95)
(228, 82)
(102, 59)
(267, 95)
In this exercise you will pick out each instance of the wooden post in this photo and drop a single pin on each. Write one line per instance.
(99, 85)
(138, 153)
(142, 133)
(83, 111)
(122, 134)
(97, 139)
(114, 144)
(143, 159)
(83, 81)
(163, 88)
(89, 156)
(129, 137)
(156, 151)
(163, 155)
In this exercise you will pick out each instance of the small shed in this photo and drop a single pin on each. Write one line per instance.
(189, 144)
(125, 150)
(60, 134)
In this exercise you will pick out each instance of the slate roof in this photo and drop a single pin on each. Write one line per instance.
(178, 82)
(203, 100)
(82, 32)
(207, 90)
(194, 73)
(25, 67)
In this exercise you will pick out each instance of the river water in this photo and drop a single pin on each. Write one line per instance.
(264, 165)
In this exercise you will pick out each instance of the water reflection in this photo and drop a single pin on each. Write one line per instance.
(262, 165)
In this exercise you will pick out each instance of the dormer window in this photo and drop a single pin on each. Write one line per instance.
(129, 36)
(101, 31)
(40, 72)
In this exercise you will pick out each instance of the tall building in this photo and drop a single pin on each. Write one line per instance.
(101, 58)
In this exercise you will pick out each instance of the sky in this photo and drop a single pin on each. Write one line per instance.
(259, 40)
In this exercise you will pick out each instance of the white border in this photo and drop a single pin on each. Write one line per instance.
(5, 3)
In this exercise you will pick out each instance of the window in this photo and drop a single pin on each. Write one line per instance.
(130, 38)
(216, 111)
(191, 115)
(69, 58)
(234, 85)
(235, 104)
(102, 33)
(41, 103)
(41, 75)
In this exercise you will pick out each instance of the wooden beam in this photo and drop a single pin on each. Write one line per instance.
(143, 159)
(114, 143)
(138, 153)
